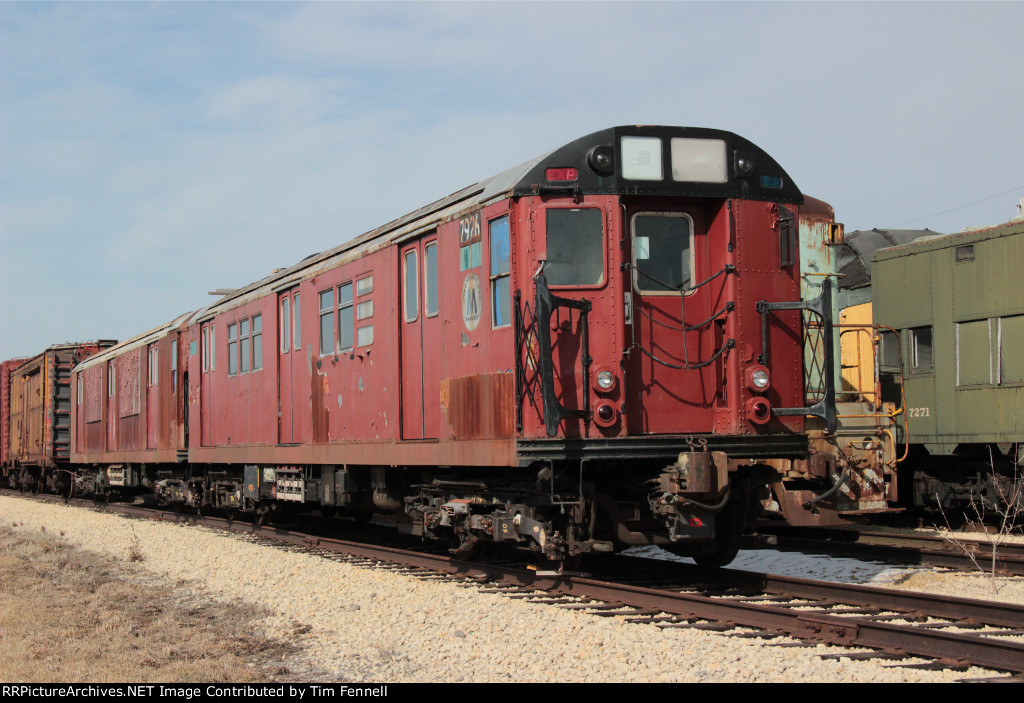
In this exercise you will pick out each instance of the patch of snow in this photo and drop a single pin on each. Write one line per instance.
(794, 564)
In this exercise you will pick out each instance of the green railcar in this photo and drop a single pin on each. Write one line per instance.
(953, 356)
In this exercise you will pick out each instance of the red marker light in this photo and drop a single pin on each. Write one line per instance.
(696, 522)
(759, 410)
(561, 174)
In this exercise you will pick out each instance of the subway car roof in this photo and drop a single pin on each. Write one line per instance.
(626, 160)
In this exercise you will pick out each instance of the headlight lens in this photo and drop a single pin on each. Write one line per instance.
(605, 380)
(760, 379)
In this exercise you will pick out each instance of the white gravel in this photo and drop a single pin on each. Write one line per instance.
(368, 625)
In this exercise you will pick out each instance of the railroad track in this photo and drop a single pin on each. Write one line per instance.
(948, 632)
(968, 555)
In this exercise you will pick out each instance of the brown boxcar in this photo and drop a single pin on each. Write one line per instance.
(38, 424)
(5, 407)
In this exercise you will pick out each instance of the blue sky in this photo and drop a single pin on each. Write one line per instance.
(152, 152)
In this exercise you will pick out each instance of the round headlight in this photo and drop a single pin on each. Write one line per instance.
(605, 380)
(760, 379)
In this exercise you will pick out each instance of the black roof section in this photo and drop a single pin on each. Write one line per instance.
(752, 173)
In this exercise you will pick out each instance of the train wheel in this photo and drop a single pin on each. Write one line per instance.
(565, 564)
(718, 557)
(262, 516)
(465, 546)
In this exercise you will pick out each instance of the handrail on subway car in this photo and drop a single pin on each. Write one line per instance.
(683, 291)
(547, 303)
(822, 307)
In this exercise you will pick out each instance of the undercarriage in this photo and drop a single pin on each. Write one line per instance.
(700, 506)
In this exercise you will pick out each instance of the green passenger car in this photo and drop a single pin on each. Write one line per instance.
(955, 358)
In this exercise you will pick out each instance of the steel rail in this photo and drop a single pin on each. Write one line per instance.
(913, 603)
(972, 649)
(829, 629)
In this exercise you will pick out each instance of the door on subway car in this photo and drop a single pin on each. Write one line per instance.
(672, 373)
(579, 261)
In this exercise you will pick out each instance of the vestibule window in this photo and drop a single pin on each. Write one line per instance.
(662, 242)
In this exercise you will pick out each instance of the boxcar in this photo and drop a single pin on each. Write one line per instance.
(5, 409)
(954, 308)
(599, 348)
(37, 402)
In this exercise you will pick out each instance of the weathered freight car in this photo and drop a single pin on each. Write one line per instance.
(599, 348)
(6, 368)
(954, 309)
(37, 404)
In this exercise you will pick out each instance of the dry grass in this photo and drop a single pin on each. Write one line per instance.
(70, 615)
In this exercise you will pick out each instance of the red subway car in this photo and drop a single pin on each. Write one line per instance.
(599, 348)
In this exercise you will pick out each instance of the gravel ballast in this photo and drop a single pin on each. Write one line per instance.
(362, 625)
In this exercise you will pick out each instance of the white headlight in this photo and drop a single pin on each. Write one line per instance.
(760, 379)
(605, 380)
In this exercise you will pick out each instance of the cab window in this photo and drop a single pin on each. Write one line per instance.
(575, 247)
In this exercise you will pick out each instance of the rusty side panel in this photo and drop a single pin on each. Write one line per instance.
(168, 391)
(27, 411)
(479, 406)
(818, 263)
(131, 430)
(119, 416)
(94, 435)
(41, 404)
(243, 407)
(321, 413)
(480, 453)
(757, 231)
(129, 383)
(6, 369)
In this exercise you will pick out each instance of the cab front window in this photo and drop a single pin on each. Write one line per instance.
(575, 247)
